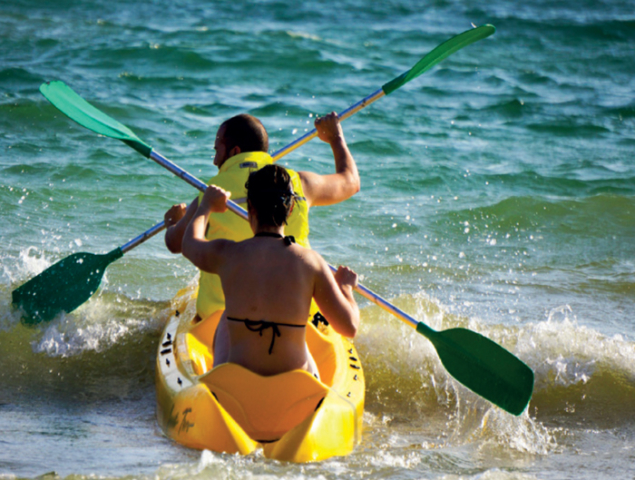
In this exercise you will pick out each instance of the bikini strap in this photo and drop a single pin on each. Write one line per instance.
(260, 325)
(288, 240)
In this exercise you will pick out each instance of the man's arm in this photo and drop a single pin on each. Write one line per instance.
(344, 183)
(333, 294)
(206, 255)
(176, 219)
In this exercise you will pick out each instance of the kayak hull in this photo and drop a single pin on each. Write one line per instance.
(291, 416)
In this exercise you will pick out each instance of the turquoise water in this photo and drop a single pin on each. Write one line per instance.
(498, 194)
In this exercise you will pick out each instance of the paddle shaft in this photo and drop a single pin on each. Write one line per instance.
(390, 308)
(159, 227)
(353, 109)
(148, 234)
(192, 180)
(241, 212)
(117, 130)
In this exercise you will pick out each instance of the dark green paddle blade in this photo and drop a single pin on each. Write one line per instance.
(483, 366)
(441, 52)
(79, 110)
(63, 286)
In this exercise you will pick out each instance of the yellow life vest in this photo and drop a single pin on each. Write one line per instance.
(232, 177)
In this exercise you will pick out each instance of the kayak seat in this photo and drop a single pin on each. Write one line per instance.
(265, 407)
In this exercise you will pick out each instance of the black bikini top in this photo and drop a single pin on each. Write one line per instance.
(288, 240)
(260, 325)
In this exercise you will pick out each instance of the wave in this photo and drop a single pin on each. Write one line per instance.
(569, 128)
(582, 377)
(14, 79)
(404, 375)
(594, 215)
(622, 112)
(106, 351)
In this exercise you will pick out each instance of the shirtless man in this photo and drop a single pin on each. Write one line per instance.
(268, 281)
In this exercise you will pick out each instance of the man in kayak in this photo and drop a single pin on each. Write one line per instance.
(241, 147)
(268, 280)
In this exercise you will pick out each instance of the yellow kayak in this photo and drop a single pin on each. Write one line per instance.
(291, 416)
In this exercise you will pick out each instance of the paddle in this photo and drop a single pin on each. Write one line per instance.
(42, 298)
(67, 284)
(76, 108)
(440, 53)
(474, 360)
(477, 362)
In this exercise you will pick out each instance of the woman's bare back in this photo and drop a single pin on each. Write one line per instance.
(268, 287)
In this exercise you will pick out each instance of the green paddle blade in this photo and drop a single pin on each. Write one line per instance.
(443, 51)
(63, 286)
(79, 110)
(483, 366)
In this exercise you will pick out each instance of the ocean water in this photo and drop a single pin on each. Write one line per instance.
(498, 194)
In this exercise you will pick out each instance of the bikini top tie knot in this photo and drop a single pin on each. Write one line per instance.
(288, 240)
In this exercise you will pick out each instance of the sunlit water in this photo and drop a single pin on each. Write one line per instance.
(497, 195)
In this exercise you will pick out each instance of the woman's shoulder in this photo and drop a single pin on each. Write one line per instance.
(309, 256)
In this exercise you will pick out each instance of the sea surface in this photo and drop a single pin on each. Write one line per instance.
(498, 194)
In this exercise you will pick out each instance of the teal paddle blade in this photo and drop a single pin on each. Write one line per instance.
(441, 52)
(63, 286)
(483, 366)
(79, 110)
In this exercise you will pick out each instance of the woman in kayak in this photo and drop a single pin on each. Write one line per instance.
(269, 281)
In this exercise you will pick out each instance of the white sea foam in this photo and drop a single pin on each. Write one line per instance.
(308, 36)
(66, 337)
(95, 326)
(493, 474)
(31, 261)
(562, 352)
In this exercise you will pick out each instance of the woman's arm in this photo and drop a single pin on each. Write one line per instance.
(205, 255)
(334, 296)
(176, 219)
